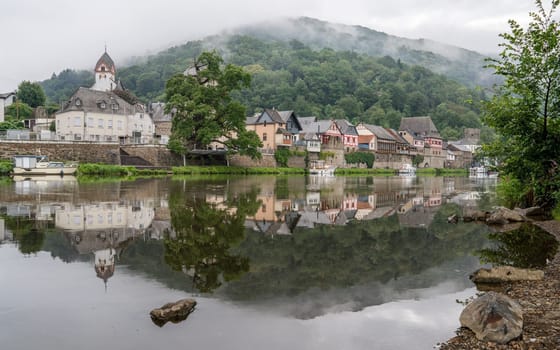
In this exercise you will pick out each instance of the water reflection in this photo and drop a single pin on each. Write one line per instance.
(324, 243)
(526, 247)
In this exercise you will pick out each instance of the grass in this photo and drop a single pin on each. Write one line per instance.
(364, 171)
(216, 170)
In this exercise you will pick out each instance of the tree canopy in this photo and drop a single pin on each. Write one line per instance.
(525, 110)
(31, 94)
(204, 111)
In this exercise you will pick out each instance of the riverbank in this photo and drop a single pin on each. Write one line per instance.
(540, 301)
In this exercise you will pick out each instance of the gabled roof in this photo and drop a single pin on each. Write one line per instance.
(306, 120)
(420, 126)
(397, 136)
(273, 114)
(89, 100)
(346, 127)
(380, 132)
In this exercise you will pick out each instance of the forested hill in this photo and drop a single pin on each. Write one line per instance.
(291, 75)
(464, 66)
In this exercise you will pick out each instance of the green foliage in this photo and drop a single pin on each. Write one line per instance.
(216, 170)
(360, 157)
(364, 171)
(281, 155)
(417, 159)
(19, 111)
(525, 111)
(60, 87)
(11, 123)
(203, 110)
(6, 167)
(324, 155)
(105, 170)
(31, 94)
(511, 191)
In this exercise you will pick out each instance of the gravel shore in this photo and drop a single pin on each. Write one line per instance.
(540, 301)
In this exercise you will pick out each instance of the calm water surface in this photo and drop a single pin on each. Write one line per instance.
(273, 262)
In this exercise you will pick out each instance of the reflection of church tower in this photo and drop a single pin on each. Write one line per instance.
(105, 263)
(105, 72)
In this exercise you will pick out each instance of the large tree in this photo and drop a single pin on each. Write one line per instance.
(31, 94)
(204, 111)
(525, 110)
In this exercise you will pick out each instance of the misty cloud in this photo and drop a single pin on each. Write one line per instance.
(45, 37)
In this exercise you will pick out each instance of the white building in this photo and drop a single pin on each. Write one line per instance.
(5, 100)
(105, 112)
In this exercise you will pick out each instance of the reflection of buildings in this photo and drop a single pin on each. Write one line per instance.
(104, 229)
(335, 202)
(5, 234)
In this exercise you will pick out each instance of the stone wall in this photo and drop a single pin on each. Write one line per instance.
(156, 155)
(84, 152)
(267, 161)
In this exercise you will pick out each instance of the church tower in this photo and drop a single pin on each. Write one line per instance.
(105, 74)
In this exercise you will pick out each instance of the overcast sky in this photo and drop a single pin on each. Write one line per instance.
(40, 37)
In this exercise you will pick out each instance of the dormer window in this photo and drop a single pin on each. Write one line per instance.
(115, 106)
(102, 104)
(78, 102)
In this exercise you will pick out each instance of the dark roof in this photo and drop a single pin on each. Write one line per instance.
(396, 135)
(107, 60)
(346, 127)
(420, 126)
(380, 132)
(273, 114)
(89, 100)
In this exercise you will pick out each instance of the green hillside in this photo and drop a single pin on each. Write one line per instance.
(292, 75)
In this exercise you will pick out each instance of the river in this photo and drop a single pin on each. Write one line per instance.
(273, 262)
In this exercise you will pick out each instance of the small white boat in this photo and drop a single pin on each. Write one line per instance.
(40, 165)
(320, 168)
(407, 169)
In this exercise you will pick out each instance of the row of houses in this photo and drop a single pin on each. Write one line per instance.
(107, 112)
(416, 136)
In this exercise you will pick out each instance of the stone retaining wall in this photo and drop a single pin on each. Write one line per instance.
(85, 152)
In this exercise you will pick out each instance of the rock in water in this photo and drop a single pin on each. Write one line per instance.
(174, 312)
(493, 317)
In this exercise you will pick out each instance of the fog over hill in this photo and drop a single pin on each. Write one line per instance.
(462, 65)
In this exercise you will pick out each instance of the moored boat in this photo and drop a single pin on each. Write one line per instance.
(40, 165)
(407, 169)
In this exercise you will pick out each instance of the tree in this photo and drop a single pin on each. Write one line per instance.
(31, 94)
(525, 110)
(204, 111)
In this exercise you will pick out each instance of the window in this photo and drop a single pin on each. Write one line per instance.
(100, 123)
(265, 137)
(109, 124)
(119, 124)
(90, 122)
(77, 121)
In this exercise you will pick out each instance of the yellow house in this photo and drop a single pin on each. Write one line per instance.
(275, 128)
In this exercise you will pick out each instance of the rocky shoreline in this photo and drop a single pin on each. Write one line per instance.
(540, 302)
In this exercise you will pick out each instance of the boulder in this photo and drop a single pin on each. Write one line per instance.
(173, 312)
(501, 216)
(475, 215)
(493, 317)
(532, 211)
(502, 274)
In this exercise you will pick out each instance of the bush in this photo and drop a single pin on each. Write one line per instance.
(6, 167)
(511, 192)
(360, 157)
